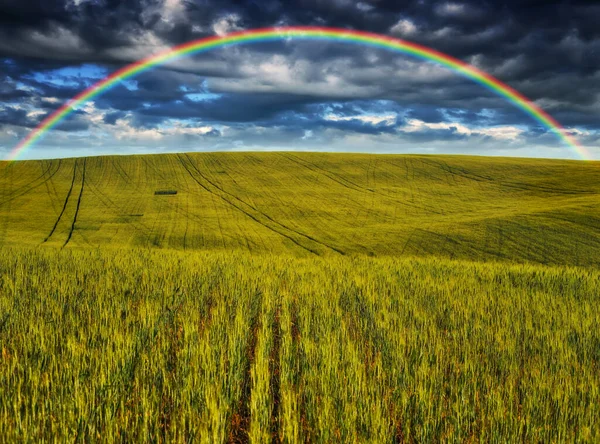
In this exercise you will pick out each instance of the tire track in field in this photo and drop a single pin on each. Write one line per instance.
(240, 419)
(120, 171)
(294, 205)
(466, 174)
(254, 218)
(115, 208)
(24, 189)
(274, 373)
(242, 237)
(350, 184)
(255, 229)
(259, 214)
(64, 205)
(320, 171)
(212, 195)
(240, 234)
(78, 204)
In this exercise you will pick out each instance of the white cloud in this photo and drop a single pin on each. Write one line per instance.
(444, 32)
(505, 132)
(142, 45)
(35, 113)
(173, 10)
(124, 131)
(307, 134)
(227, 24)
(450, 9)
(404, 27)
(280, 74)
(373, 119)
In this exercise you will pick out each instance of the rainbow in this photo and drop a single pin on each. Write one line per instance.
(306, 33)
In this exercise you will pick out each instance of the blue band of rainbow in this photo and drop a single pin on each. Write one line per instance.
(331, 34)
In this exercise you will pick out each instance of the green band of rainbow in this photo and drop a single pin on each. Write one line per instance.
(331, 34)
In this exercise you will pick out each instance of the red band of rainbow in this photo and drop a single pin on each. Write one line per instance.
(331, 34)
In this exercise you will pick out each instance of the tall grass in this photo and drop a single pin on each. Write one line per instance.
(138, 345)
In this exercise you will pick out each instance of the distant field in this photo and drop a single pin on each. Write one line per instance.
(545, 211)
(299, 297)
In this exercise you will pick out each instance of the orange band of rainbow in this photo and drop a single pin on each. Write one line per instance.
(320, 33)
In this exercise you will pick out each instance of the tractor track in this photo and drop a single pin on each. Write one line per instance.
(261, 213)
(241, 417)
(350, 184)
(78, 204)
(24, 189)
(253, 217)
(64, 205)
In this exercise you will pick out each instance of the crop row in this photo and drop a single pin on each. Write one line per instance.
(146, 345)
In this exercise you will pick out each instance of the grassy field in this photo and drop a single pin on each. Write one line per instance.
(217, 347)
(284, 297)
(543, 211)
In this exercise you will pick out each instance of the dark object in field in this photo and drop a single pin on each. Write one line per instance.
(165, 192)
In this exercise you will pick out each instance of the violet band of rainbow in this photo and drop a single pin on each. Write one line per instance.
(302, 32)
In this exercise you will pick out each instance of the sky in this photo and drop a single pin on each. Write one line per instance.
(300, 95)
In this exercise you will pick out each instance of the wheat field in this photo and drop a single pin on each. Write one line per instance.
(543, 211)
(299, 297)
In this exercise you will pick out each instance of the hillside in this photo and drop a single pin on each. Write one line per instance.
(545, 211)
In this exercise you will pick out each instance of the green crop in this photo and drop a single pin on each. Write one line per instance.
(143, 345)
(299, 297)
(524, 210)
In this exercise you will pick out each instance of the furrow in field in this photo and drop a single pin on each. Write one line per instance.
(64, 204)
(352, 185)
(274, 372)
(239, 208)
(240, 419)
(32, 185)
(215, 168)
(259, 214)
(78, 204)
(361, 325)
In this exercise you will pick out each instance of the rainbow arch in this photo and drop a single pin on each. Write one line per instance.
(306, 33)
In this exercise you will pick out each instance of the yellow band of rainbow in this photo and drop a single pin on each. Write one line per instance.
(320, 33)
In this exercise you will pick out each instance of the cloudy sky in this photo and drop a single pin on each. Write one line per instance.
(300, 95)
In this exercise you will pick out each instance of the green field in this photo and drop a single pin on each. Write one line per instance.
(544, 211)
(300, 297)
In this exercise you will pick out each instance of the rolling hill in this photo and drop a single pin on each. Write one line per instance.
(476, 208)
(140, 299)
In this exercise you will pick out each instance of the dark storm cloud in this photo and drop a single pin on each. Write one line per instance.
(111, 118)
(476, 27)
(549, 51)
(13, 116)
